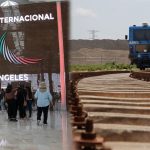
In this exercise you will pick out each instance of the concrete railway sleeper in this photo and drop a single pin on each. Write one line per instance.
(85, 138)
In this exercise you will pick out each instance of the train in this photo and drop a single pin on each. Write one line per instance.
(139, 45)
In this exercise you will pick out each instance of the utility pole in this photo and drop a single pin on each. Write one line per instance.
(93, 34)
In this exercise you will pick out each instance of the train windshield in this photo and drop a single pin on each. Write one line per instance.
(143, 48)
(141, 34)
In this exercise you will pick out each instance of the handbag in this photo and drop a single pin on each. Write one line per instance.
(25, 103)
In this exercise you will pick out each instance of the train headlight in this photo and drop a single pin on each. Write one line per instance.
(139, 55)
(145, 50)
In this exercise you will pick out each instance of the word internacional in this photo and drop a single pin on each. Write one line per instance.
(27, 18)
(14, 77)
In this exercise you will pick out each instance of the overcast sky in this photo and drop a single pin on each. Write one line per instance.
(111, 18)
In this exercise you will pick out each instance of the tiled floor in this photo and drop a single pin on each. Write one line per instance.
(27, 135)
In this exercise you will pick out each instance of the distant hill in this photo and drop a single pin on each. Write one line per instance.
(104, 44)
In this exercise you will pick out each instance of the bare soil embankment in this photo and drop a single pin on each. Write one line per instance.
(98, 51)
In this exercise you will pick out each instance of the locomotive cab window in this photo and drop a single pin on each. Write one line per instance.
(141, 35)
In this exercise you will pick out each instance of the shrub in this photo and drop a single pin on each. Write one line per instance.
(100, 67)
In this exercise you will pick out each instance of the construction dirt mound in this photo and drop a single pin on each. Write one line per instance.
(98, 51)
(104, 44)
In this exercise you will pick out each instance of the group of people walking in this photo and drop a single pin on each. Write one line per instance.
(18, 99)
(21, 99)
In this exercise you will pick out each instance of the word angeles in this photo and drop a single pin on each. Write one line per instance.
(27, 18)
(14, 77)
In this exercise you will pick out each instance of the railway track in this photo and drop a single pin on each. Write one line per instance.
(120, 108)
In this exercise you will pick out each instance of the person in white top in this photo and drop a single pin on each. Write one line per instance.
(44, 98)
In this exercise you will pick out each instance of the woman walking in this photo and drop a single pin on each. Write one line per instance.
(44, 98)
(29, 99)
(10, 99)
(21, 101)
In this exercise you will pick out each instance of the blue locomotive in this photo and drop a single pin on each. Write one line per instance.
(139, 45)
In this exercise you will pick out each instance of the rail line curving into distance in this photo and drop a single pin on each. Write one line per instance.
(119, 104)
